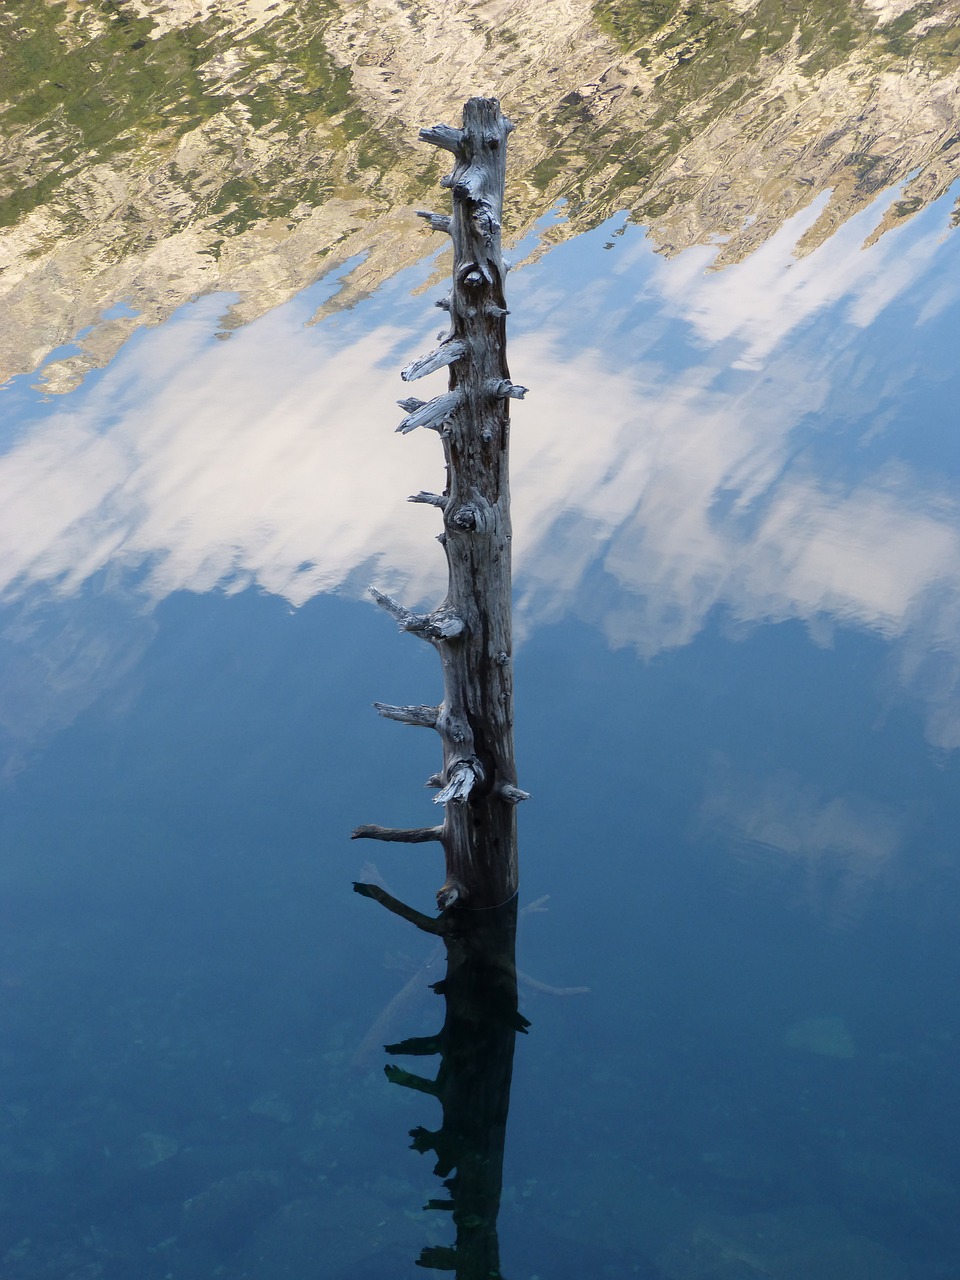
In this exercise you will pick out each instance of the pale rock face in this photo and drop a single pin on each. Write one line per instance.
(169, 15)
(153, 223)
(528, 56)
(743, 182)
(888, 10)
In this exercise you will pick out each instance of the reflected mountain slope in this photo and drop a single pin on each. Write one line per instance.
(158, 151)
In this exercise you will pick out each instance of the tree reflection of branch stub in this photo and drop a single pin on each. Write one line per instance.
(471, 629)
(472, 1085)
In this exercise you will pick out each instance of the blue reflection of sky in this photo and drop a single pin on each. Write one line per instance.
(776, 439)
(742, 833)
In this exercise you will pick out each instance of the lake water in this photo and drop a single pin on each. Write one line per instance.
(737, 568)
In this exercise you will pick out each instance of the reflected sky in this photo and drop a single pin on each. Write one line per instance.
(776, 439)
(737, 551)
(736, 535)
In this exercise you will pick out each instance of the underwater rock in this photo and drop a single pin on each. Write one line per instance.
(896, 1182)
(36, 1258)
(154, 1148)
(800, 1243)
(350, 1231)
(228, 1210)
(396, 1192)
(606, 1202)
(273, 1106)
(826, 1036)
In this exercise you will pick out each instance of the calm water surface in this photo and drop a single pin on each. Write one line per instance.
(737, 540)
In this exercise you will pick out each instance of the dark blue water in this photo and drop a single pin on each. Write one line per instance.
(737, 585)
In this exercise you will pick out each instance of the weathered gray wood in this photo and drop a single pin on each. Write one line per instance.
(438, 221)
(510, 389)
(443, 135)
(399, 835)
(431, 499)
(406, 620)
(444, 355)
(435, 414)
(512, 795)
(480, 823)
(442, 624)
(471, 629)
(429, 924)
(426, 717)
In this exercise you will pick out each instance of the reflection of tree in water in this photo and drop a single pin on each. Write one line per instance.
(475, 1046)
(479, 985)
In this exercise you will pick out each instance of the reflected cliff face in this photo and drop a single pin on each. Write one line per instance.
(155, 151)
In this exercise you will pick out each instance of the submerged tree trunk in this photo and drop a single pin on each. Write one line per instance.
(472, 1085)
(471, 628)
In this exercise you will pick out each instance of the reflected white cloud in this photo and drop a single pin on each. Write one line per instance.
(265, 459)
(675, 484)
(53, 667)
(839, 845)
(774, 292)
(643, 502)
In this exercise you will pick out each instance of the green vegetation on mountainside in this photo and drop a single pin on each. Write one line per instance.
(704, 58)
(83, 87)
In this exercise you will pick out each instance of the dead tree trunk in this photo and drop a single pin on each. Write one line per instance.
(471, 628)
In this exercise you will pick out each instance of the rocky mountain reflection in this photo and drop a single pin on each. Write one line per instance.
(160, 149)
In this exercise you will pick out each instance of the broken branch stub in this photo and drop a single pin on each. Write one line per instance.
(471, 628)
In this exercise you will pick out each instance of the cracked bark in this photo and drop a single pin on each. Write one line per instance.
(471, 628)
